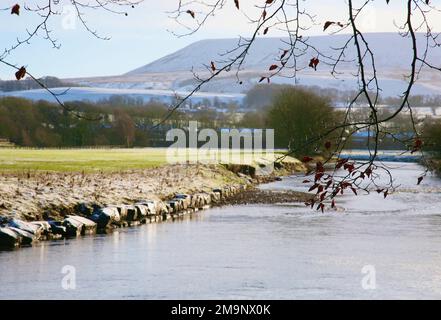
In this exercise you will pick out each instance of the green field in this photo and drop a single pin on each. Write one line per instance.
(78, 160)
(114, 160)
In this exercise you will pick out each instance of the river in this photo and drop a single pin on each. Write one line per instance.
(253, 252)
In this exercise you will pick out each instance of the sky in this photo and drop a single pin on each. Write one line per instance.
(146, 34)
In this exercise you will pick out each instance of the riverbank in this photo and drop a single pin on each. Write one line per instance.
(44, 205)
(257, 196)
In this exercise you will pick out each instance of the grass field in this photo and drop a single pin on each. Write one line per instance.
(77, 160)
(113, 160)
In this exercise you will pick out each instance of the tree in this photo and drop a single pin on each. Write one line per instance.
(126, 126)
(293, 17)
(296, 115)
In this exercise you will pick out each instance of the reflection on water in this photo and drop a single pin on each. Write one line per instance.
(256, 251)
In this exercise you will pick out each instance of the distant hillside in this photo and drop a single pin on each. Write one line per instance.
(392, 52)
(174, 71)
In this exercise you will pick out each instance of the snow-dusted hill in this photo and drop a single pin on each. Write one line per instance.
(174, 72)
(392, 52)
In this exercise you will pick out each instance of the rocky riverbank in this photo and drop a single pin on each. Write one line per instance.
(40, 206)
(253, 195)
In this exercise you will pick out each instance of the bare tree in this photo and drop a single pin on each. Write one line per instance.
(46, 10)
(294, 18)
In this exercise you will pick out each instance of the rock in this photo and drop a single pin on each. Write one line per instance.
(169, 207)
(161, 208)
(105, 217)
(183, 204)
(26, 238)
(142, 211)
(73, 226)
(175, 205)
(196, 201)
(44, 229)
(186, 199)
(207, 199)
(43, 225)
(8, 238)
(131, 213)
(57, 228)
(151, 206)
(123, 212)
(89, 227)
(26, 226)
(218, 190)
(216, 195)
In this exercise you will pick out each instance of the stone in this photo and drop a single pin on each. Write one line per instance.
(26, 238)
(73, 226)
(186, 199)
(8, 238)
(174, 205)
(25, 226)
(123, 212)
(131, 213)
(216, 196)
(89, 227)
(161, 208)
(57, 228)
(44, 229)
(142, 211)
(151, 206)
(105, 217)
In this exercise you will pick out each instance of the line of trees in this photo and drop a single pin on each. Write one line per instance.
(29, 84)
(295, 113)
(43, 124)
(117, 121)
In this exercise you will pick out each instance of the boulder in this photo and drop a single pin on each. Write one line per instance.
(215, 196)
(123, 212)
(44, 229)
(186, 199)
(161, 208)
(196, 201)
(218, 190)
(131, 213)
(89, 227)
(42, 225)
(105, 217)
(26, 226)
(169, 207)
(26, 238)
(74, 227)
(174, 205)
(8, 238)
(142, 211)
(207, 199)
(182, 203)
(151, 206)
(57, 228)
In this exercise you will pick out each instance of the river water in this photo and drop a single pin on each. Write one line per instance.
(253, 252)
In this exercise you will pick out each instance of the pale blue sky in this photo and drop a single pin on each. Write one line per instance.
(143, 36)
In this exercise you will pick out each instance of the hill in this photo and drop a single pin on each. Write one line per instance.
(174, 71)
